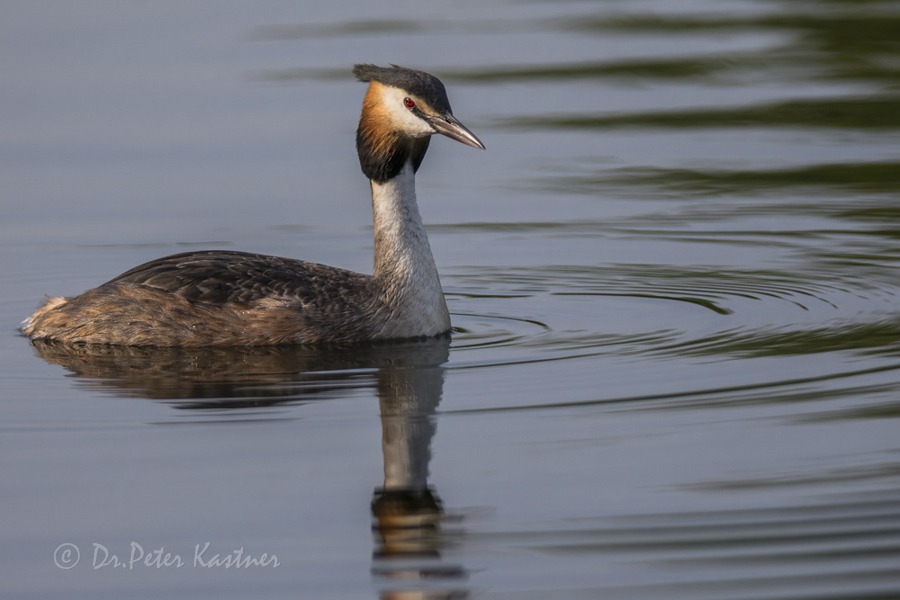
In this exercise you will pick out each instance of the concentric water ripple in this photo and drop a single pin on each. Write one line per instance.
(745, 313)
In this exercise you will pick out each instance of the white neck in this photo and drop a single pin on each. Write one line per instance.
(404, 265)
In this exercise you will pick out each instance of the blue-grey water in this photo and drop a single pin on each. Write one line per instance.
(673, 275)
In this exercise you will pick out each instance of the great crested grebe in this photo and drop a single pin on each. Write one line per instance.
(224, 298)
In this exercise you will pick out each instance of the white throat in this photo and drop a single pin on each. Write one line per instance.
(404, 265)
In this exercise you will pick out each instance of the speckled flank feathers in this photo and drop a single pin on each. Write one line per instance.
(218, 298)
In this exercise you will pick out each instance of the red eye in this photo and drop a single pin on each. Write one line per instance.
(409, 103)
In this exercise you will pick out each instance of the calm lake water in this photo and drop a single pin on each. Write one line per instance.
(673, 275)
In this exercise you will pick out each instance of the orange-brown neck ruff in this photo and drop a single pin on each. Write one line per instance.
(383, 150)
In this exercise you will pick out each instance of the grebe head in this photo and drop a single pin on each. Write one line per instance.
(402, 109)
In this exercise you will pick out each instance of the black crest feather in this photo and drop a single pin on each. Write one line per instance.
(419, 83)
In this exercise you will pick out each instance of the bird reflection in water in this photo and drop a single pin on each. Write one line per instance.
(407, 513)
(408, 378)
